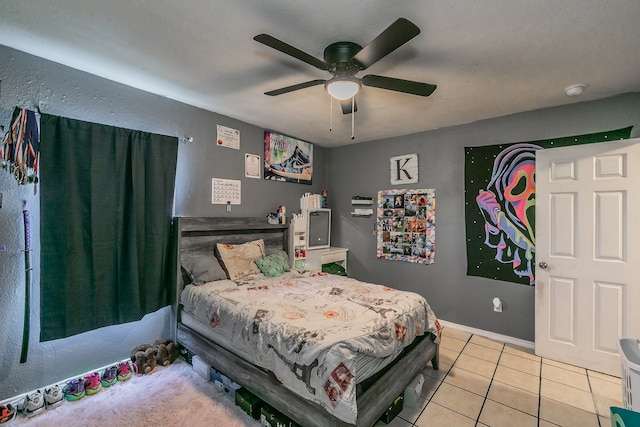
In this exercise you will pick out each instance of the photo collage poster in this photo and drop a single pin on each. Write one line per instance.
(406, 224)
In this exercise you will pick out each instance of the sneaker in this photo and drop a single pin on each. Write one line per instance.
(53, 396)
(124, 371)
(109, 376)
(33, 404)
(7, 413)
(74, 390)
(92, 383)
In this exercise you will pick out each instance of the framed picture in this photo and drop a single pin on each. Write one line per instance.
(251, 166)
(287, 159)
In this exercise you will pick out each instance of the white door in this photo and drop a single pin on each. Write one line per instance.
(587, 252)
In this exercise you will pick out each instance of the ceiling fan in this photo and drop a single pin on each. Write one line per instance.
(345, 59)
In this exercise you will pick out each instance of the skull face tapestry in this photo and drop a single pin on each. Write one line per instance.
(406, 224)
(500, 197)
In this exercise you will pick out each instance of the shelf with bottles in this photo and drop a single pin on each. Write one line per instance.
(298, 241)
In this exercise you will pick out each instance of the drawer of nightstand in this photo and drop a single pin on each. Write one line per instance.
(336, 256)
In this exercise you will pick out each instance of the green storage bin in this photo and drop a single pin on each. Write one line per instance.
(249, 402)
(621, 417)
(270, 417)
(393, 410)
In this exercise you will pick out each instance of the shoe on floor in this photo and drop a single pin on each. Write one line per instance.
(33, 404)
(74, 390)
(7, 413)
(124, 371)
(53, 396)
(109, 376)
(92, 383)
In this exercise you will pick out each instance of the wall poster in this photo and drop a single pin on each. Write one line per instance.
(406, 223)
(500, 202)
(287, 159)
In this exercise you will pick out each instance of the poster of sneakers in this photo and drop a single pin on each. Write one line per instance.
(406, 224)
(287, 159)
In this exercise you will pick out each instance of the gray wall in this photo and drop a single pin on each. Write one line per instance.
(363, 169)
(28, 81)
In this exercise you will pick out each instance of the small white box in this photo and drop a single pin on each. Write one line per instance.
(413, 390)
(201, 367)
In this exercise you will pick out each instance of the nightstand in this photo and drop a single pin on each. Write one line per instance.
(316, 258)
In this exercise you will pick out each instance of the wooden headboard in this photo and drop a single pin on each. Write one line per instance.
(199, 235)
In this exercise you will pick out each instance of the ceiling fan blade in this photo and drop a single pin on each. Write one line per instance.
(396, 34)
(399, 85)
(346, 106)
(291, 51)
(295, 87)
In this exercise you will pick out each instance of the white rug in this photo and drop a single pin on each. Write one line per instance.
(171, 396)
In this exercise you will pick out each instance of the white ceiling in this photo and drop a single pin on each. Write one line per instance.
(489, 58)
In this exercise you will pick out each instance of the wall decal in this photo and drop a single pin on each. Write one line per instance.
(406, 223)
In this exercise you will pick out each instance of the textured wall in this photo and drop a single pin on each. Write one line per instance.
(454, 296)
(28, 81)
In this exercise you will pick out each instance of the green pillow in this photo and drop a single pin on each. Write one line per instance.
(272, 265)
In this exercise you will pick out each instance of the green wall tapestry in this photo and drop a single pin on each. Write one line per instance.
(500, 205)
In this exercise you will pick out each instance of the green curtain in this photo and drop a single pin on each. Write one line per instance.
(106, 210)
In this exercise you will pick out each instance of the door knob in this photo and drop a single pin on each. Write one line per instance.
(543, 265)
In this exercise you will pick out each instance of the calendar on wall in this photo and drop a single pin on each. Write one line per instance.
(225, 191)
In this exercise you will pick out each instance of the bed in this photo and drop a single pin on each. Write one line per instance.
(314, 377)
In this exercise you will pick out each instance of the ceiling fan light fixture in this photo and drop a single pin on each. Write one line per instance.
(343, 88)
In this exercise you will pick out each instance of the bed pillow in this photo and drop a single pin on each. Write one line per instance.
(201, 269)
(272, 265)
(237, 260)
(285, 255)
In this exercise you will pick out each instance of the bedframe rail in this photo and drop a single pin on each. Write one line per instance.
(371, 403)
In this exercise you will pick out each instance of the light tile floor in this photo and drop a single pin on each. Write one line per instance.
(482, 382)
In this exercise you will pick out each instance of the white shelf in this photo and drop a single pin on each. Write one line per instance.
(362, 212)
(361, 202)
(298, 242)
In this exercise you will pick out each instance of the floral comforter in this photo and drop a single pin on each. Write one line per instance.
(309, 329)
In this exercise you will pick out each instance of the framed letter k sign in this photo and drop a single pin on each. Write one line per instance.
(404, 169)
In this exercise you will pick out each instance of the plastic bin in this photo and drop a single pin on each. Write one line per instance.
(630, 358)
(621, 417)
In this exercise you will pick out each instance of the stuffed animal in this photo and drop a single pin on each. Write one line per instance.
(166, 351)
(144, 357)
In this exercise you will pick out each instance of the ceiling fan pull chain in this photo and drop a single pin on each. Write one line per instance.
(353, 114)
(331, 113)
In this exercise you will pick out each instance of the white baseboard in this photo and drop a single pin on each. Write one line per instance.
(491, 335)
